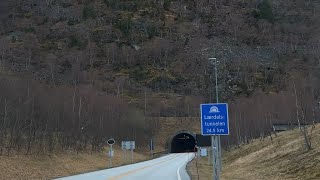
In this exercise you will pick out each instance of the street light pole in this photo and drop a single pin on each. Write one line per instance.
(217, 99)
(216, 74)
(215, 140)
(319, 112)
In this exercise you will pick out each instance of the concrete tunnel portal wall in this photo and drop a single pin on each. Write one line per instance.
(182, 141)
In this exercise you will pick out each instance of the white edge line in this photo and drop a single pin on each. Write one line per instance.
(178, 171)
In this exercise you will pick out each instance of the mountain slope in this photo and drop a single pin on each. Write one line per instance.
(106, 66)
(162, 45)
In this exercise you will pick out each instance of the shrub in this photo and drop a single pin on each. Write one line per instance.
(62, 18)
(75, 41)
(72, 22)
(139, 73)
(166, 4)
(131, 5)
(265, 11)
(152, 30)
(28, 15)
(124, 25)
(88, 12)
(111, 3)
(29, 30)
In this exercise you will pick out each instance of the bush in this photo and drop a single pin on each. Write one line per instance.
(131, 5)
(101, 36)
(62, 18)
(166, 4)
(152, 30)
(139, 73)
(111, 3)
(28, 15)
(29, 30)
(124, 25)
(72, 22)
(265, 11)
(75, 41)
(88, 12)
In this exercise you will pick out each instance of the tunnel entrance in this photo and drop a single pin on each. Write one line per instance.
(183, 142)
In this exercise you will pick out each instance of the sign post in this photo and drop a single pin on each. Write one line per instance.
(128, 145)
(215, 122)
(110, 153)
(123, 147)
(151, 147)
(132, 147)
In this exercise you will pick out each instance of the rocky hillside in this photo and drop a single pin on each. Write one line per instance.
(160, 45)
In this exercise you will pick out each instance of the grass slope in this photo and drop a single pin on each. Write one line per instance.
(284, 157)
(58, 165)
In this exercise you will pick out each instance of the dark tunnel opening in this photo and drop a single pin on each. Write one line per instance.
(183, 142)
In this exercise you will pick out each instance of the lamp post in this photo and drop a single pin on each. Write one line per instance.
(319, 111)
(216, 77)
(215, 140)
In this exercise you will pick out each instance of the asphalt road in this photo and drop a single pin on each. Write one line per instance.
(169, 167)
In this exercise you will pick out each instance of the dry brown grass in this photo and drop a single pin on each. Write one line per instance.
(62, 164)
(283, 158)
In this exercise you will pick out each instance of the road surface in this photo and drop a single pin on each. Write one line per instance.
(169, 167)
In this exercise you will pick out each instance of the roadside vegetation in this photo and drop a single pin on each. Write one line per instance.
(60, 164)
(283, 157)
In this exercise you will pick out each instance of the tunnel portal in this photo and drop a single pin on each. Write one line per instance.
(183, 142)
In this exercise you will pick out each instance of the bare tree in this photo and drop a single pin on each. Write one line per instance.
(51, 58)
(302, 106)
(30, 45)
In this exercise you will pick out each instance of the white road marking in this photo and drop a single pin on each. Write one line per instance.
(178, 171)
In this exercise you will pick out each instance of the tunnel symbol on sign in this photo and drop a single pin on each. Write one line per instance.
(214, 109)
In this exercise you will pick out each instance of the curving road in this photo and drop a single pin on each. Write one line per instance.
(169, 167)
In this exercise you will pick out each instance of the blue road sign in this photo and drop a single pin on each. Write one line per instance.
(214, 119)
